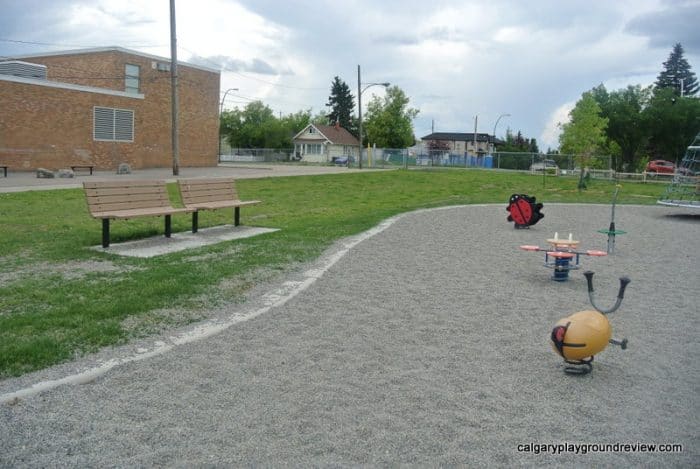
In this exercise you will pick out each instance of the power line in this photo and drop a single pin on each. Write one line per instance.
(201, 58)
(17, 41)
(74, 73)
(226, 69)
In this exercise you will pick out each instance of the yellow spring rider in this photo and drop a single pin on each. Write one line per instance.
(577, 338)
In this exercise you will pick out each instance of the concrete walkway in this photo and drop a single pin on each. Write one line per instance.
(27, 180)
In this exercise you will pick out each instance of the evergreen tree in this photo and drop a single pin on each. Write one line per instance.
(532, 146)
(342, 105)
(677, 74)
(518, 143)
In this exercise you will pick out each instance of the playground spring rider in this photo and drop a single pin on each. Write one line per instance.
(524, 211)
(562, 255)
(577, 338)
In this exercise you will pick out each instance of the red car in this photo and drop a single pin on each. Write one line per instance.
(661, 166)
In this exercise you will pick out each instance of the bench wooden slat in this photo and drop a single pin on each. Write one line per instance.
(125, 205)
(146, 190)
(139, 212)
(121, 183)
(225, 204)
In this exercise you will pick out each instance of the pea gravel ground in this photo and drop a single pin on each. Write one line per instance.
(421, 343)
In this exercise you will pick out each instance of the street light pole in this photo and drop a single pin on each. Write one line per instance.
(221, 110)
(496, 125)
(359, 111)
(360, 90)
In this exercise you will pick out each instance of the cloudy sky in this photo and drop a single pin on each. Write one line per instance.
(455, 60)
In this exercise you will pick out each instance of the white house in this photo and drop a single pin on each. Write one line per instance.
(324, 143)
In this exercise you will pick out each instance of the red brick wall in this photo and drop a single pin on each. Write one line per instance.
(52, 128)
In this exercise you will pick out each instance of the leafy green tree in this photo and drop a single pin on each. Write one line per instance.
(254, 127)
(389, 121)
(672, 124)
(627, 129)
(342, 105)
(294, 123)
(677, 74)
(584, 135)
(320, 118)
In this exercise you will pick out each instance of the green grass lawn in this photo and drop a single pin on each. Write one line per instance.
(60, 299)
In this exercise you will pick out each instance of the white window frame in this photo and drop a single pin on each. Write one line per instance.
(137, 77)
(113, 136)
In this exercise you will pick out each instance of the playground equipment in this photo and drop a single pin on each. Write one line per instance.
(684, 190)
(524, 210)
(577, 338)
(562, 255)
(611, 231)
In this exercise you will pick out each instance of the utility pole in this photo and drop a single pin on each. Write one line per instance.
(173, 87)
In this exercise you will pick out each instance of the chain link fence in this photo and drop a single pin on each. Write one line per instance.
(599, 166)
(559, 164)
(227, 154)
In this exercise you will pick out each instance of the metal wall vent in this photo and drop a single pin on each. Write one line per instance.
(23, 69)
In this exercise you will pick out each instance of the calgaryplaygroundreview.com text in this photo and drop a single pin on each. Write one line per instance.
(586, 448)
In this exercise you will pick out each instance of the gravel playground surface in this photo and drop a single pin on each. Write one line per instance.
(426, 343)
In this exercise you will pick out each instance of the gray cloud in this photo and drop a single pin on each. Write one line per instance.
(664, 28)
(132, 18)
(230, 64)
(454, 58)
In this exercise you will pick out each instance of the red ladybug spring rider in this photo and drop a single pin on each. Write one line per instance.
(524, 210)
(577, 338)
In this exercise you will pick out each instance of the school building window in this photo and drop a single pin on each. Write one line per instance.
(131, 81)
(113, 125)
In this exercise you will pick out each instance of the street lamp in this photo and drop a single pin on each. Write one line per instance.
(221, 110)
(361, 90)
(496, 125)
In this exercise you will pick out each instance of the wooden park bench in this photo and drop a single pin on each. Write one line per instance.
(211, 194)
(86, 167)
(110, 200)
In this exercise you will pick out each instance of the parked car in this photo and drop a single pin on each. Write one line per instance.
(546, 165)
(660, 166)
(343, 160)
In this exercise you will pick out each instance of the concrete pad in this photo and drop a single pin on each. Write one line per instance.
(159, 245)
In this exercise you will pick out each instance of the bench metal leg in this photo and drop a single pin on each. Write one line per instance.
(105, 232)
(195, 221)
(236, 216)
(168, 226)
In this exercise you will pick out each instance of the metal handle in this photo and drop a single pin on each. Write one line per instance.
(624, 281)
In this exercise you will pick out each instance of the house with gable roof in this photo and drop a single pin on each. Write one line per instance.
(318, 143)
